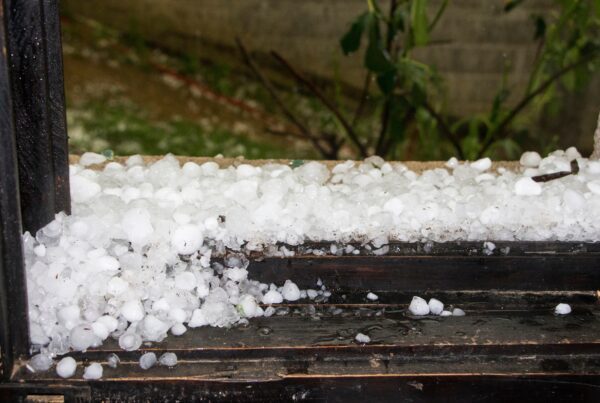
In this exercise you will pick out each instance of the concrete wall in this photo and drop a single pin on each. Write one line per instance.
(477, 39)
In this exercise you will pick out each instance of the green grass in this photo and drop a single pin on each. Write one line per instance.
(125, 130)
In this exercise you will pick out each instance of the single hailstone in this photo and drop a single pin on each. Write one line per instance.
(83, 189)
(185, 281)
(594, 186)
(312, 294)
(290, 291)
(90, 158)
(168, 359)
(435, 306)
(458, 312)
(446, 313)
(147, 360)
(362, 338)
(530, 159)
(66, 367)
(93, 371)
(562, 309)
(372, 297)
(248, 306)
(137, 226)
(82, 337)
(482, 164)
(132, 310)
(39, 363)
(527, 187)
(187, 239)
(130, 341)
(178, 329)
(113, 360)
(272, 297)
(418, 306)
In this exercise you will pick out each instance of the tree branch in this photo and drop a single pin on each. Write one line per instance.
(528, 98)
(316, 92)
(445, 130)
(286, 111)
(363, 99)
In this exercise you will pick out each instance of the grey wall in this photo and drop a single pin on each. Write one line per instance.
(478, 40)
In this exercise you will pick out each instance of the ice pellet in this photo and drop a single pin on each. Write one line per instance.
(562, 309)
(372, 297)
(527, 187)
(290, 291)
(435, 306)
(147, 360)
(418, 306)
(93, 371)
(168, 359)
(458, 312)
(530, 159)
(39, 363)
(272, 297)
(362, 338)
(66, 367)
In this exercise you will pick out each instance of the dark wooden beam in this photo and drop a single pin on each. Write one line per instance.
(37, 91)
(14, 329)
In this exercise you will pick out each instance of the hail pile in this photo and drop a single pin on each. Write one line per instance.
(136, 259)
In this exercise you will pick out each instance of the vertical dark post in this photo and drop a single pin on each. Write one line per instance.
(14, 329)
(36, 73)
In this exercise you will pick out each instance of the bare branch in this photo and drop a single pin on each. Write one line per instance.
(286, 111)
(445, 130)
(499, 131)
(326, 102)
(363, 99)
(596, 153)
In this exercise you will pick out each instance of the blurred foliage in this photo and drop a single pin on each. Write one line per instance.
(568, 44)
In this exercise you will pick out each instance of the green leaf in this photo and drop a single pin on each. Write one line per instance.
(511, 4)
(387, 81)
(296, 163)
(377, 59)
(420, 26)
(540, 27)
(350, 42)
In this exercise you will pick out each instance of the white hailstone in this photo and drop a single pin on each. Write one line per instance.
(93, 371)
(394, 206)
(362, 338)
(69, 316)
(198, 319)
(91, 159)
(130, 341)
(82, 337)
(482, 164)
(313, 172)
(312, 294)
(248, 305)
(168, 360)
(137, 226)
(147, 361)
(573, 199)
(246, 171)
(436, 307)
(154, 329)
(272, 297)
(446, 313)
(132, 310)
(66, 367)
(530, 159)
(372, 297)
(418, 306)
(236, 274)
(452, 163)
(187, 239)
(178, 315)
(571, 153)
(39, 363)
(458, 312)
(117, 286)
(290, 291)
(562, 309)
(83, 189)
(178, 329)
(105, 263)
(113, 360)
(191, 169)
(40, 250)
(527, 187)
(185, 281)
(594, 186)
(100, 330)
(134, 160)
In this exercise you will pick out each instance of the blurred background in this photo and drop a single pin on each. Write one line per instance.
(300, 79)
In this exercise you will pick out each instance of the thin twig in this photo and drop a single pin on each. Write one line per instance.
(445, 130)
(286, 111)
(326, 102)
(557, 175)
(528, 98)
(363, 99)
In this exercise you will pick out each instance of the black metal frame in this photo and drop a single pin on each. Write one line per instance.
(34, 171)
(34, 185)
